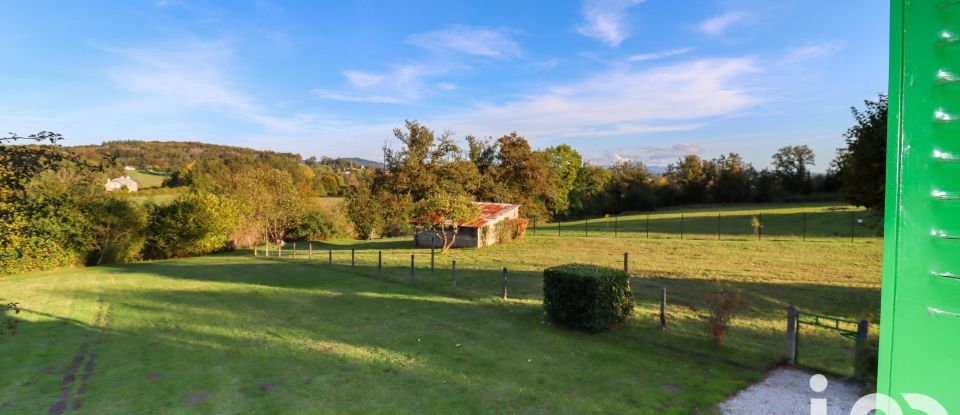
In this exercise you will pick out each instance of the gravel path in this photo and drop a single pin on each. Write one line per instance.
(788, 391)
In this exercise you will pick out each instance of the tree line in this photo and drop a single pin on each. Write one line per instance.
(54, 210)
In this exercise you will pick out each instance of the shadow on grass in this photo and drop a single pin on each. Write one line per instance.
(380, 345)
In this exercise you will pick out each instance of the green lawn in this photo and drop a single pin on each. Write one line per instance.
(834, 277)
(237, 334)
(233, 333)
(146, 180)
(813, 221)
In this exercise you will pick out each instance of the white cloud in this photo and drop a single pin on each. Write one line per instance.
(650, 155)
(811, 51)
(403, 84)
(190, 74)
(604, 20)
(477, 41)
(658, 55)
(716, 26)
(446, 86)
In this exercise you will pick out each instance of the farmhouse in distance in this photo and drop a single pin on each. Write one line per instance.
(479, 233)
(121, 182)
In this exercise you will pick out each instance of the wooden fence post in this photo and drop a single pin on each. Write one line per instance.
(681, 226)
(329, 256)
(255, 251)
(432, 253)
(863, 332)
(504, 283)
(353, 257)
(453, 273)
(615, 220)
(760, 228)
(309, 250)
(663, 308)
(626, 263)
(411, 265)
(294, 249)
(648, 226)
(379, 261)
(804, 226)
(791, 350)
(280, 250)
(718, 226)
(586, 223)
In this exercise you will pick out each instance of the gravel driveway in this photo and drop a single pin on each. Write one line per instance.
(788, 391)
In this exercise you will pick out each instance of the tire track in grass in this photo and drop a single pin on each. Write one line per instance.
(85, 359)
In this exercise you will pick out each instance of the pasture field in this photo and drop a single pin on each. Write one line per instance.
(234, 333)
(146, 180)
(238, 334)
(811, 221)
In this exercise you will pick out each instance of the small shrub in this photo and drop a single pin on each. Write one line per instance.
(587, 297)
(509, 230)
(723, 303)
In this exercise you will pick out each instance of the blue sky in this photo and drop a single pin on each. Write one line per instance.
(617, 79)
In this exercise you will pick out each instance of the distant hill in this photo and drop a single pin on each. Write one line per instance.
(363, 162)
(657, 170)
(165, 157)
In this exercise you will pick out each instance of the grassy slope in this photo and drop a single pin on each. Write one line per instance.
(231, 334)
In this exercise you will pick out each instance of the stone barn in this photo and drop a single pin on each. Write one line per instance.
(478, 233)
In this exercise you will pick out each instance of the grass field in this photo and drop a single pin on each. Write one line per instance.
(146, 180)
(789, 221)
(233, 333)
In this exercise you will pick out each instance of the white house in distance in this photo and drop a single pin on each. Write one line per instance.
(479, 232)
(120, 183)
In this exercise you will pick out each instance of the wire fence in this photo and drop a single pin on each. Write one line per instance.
(840, 224)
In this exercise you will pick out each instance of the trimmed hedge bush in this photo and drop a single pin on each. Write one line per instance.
(587, 297)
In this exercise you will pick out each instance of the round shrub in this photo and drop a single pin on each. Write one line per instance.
(587, 297)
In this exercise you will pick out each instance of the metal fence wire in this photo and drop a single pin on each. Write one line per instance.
(838, 224)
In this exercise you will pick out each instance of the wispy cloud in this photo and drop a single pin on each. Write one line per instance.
(188, 74)
(401, 85)
(605, 20)
(668, 98)
(717, 25)
(477, 41)
(811, 51)
(650, 155)
(658, 55)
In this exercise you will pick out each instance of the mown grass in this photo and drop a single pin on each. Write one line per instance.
(234, 333)
(146, 180)
(238, 334)
(813, 221)
(833, 277)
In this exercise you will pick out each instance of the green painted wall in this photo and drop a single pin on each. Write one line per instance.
(920, 321)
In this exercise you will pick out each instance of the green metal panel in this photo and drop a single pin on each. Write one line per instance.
(920, 319)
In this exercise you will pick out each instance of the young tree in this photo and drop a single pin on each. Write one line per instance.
(566, 162)
(790, 165)
(691, 177)
(443, 213)
(861, 166)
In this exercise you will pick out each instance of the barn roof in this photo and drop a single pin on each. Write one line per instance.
(490, 212)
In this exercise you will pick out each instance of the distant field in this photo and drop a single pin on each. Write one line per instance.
(325, 202)
(156, 195)
(146, 180)
(778, 221)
